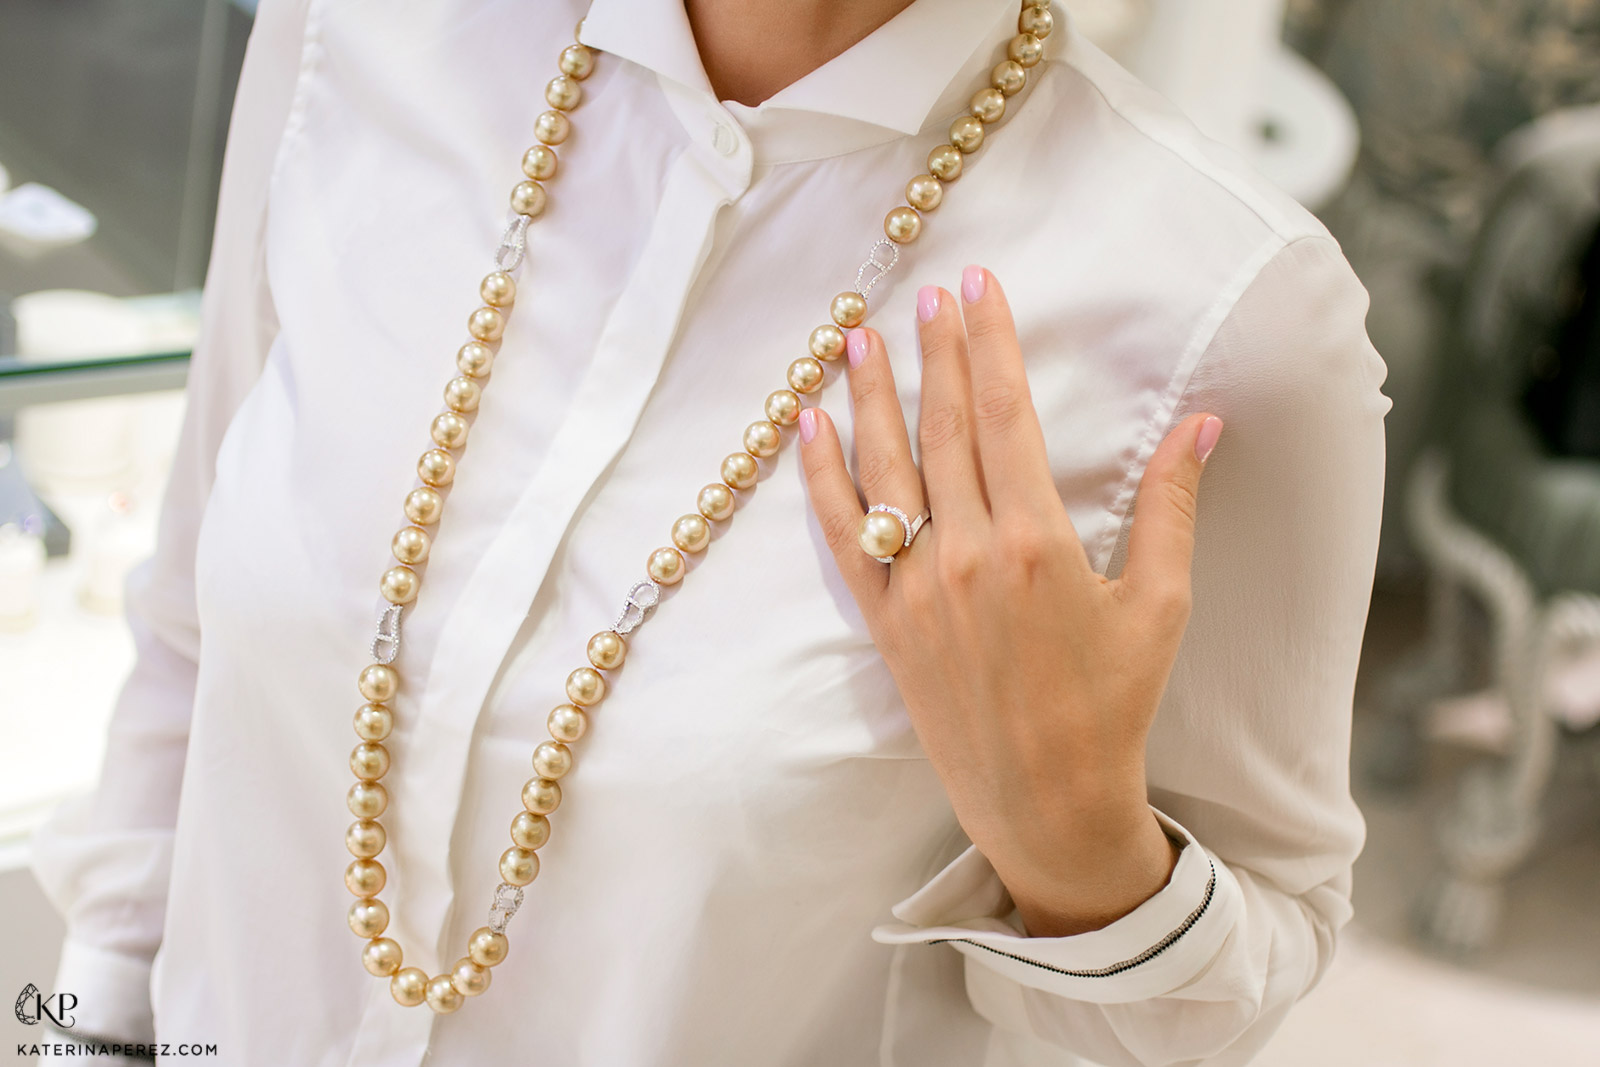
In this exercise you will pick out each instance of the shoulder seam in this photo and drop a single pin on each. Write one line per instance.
(1240, 193)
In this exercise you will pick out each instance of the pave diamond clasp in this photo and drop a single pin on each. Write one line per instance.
(641, 598)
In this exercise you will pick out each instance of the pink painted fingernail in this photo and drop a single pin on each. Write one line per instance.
(927, 302)
(855, 344)
(972, 284)
(1210, 430)
(808, 424)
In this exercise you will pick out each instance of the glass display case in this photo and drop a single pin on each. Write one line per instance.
(113, 118)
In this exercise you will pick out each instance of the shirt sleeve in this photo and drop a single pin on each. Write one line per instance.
(1248, 759)
(104, 858)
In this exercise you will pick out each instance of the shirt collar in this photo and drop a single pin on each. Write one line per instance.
(913, 68)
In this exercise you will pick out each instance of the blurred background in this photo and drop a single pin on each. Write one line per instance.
(1453, 148)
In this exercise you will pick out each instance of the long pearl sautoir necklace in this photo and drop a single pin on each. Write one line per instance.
(379, 682)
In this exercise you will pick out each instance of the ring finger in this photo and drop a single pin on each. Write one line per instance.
(885, 470)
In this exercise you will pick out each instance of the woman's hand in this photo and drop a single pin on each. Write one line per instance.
(1030, 679)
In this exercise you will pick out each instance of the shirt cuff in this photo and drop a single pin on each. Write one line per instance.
(113, 992)
(1160, 945)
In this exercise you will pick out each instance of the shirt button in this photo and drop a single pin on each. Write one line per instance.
(723, 139)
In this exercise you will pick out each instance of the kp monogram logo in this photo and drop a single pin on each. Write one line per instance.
(33, 1007)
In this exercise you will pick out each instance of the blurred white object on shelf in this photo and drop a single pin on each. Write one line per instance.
(22, 559)
(120, 539)
(94, 446)
(1224, 64)
(35, 218)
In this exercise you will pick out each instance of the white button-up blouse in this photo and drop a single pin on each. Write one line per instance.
(754, 862)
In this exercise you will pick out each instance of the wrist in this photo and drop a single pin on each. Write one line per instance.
(1117, 861)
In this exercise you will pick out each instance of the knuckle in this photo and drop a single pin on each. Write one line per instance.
(866, 385)
(988, 330)
(1025, 543)
(876, 465)
(943, 425)
(1171, 604)
(1180, 496)
(1001, 406)
(959, 563)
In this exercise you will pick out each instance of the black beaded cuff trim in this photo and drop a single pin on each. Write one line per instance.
(1116, 968)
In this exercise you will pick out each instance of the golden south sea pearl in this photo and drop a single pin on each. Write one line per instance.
(1009, 77)
(498, 289)
(1037, 20)
(924, 192)
(365, 878)
(945, 163)
(381, 955)
(365, 838)
(541, 796)
(436, 467)
(881, 534)
(739, 469)
(666, 566)
(486, 947)
(528, 198)
(552, 759)
(585, 686)
(783, 406)
(1025, 49)
(529, 830)
(369, 917)
(563, 93)
(369, 761)
(966, 133)
(576, 61)
(409, 987)
(552, 127)
(486, 324)
(423, 506)
(692, 533)
(902, 225)
(399, 585)
(442, 995)
(988, 105)
(761, 439)
(410, 544)
(519, 866)
(539, 163)
(827, 342)
(715, 502)
(607, 650)
(367, 800)
(448, 430)
(462, 393)
(475, 359)
(849, 309)
(373, 722)
(469, 978)
(805, 375)
(567, 722)
(378, 683)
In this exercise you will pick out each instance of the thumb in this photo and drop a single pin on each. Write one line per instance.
(1161, 541)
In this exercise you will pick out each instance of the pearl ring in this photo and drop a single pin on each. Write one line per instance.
(885, 530)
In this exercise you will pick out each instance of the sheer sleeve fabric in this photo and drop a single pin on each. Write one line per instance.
(1248, 761)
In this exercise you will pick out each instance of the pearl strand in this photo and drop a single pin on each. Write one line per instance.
(379, 682)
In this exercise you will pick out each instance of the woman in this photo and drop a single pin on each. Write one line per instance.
(976, 804)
